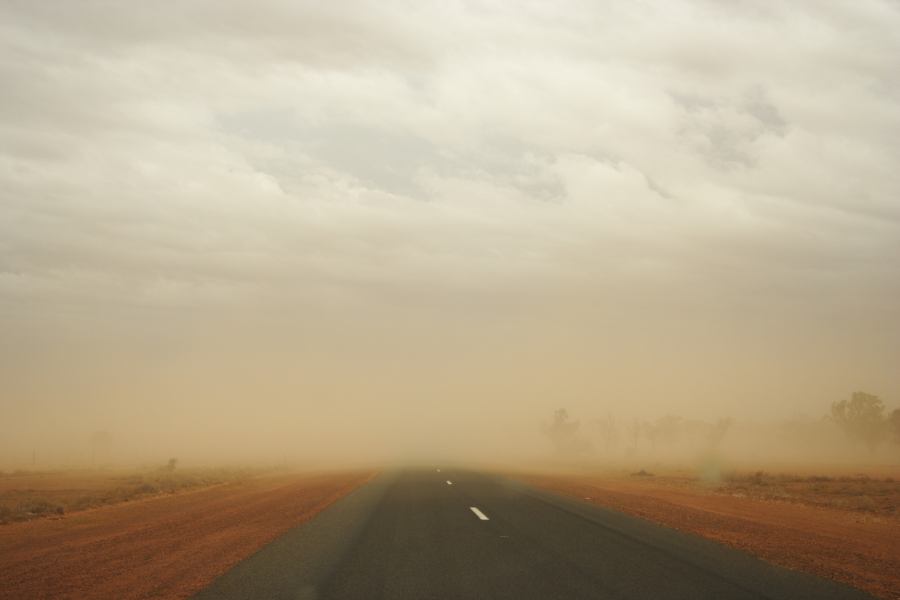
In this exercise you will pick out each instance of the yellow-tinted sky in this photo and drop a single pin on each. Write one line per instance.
(275, 227)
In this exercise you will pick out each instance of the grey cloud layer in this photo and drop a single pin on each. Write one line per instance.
(397, 141)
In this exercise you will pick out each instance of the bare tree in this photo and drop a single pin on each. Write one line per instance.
(562, 431)
(861, 418)
(634, 435)
(894, 424)
(608, 431)
(651, 432)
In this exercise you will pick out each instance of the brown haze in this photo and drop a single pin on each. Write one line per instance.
(384, 233)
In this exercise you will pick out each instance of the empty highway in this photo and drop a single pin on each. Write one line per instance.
(430, 534)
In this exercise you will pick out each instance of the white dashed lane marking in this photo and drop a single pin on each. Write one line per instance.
(478, 513)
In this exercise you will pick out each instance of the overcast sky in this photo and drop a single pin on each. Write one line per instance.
(265, 214)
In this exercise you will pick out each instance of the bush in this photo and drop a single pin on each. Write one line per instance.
(146, 488)
(38, 508)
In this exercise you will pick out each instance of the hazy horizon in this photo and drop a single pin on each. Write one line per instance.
(401, 229)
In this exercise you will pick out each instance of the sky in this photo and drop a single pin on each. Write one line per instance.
(410, 227)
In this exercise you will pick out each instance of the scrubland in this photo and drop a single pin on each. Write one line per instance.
(26, 495)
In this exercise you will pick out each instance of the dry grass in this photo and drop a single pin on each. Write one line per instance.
(26, 495)
(859, 493)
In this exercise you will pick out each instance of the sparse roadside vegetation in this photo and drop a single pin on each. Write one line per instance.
(26, 495)
(858, 493)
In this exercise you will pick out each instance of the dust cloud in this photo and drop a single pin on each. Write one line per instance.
(378, 384)
(325, 237)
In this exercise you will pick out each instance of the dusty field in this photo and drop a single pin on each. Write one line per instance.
(166, 546)
(843, 528)
(30, 495)
(862, 493)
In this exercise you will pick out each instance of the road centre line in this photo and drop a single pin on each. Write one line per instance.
(478, 513)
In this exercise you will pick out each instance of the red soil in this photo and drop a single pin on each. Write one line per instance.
(862, 550)
(164, 547)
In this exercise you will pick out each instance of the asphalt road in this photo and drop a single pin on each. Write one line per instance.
(413, 535)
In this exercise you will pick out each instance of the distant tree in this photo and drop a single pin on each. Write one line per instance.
(634, 435)
(608, 431)
(894, 424)
(861, 418)
(651, 432)
(562, 432)
(170, 466)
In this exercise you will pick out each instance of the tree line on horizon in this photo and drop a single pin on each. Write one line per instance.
(863, 419)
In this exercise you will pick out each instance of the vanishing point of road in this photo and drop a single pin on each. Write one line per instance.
(444, 534)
